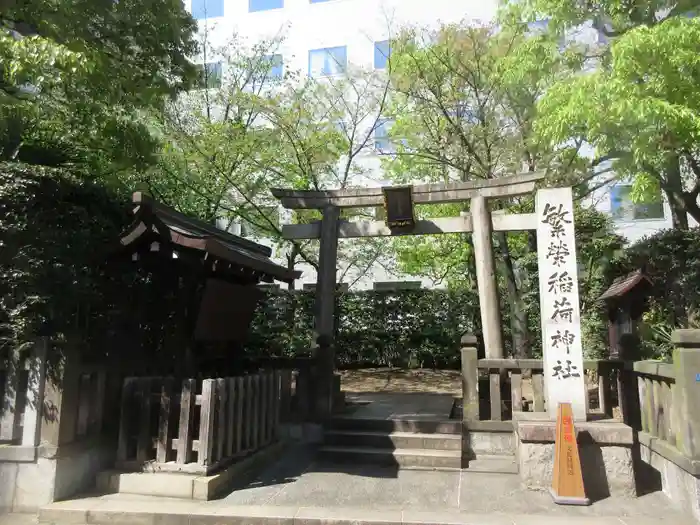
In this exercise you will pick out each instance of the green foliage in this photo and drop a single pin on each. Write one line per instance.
(671, 259)
(635, 100)
(54, 233)
(375, 328)
(75, 77)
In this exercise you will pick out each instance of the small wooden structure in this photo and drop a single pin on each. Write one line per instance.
(204, 281)
(626, 301)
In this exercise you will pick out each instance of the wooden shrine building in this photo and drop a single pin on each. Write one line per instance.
(205, 279)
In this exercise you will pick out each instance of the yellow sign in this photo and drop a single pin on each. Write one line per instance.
(567, 479)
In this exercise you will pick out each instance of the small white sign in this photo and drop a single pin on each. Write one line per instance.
(559, 302)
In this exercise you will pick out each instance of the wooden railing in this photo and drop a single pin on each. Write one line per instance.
(657, 386)
(200, 426)
(493, 388)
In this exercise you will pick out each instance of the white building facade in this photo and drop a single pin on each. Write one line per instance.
(320, 36)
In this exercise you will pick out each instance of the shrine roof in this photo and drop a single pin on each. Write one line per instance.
(162, 223)
(623, 285)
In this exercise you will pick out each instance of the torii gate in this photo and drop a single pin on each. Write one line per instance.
(558, 270)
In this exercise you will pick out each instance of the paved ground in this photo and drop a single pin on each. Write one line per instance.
(300, 491)
(416, 406)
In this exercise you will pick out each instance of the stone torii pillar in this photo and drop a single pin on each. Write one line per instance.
(324, 325)
(489, 305)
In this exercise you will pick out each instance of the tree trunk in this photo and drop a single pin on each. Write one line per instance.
(518, 317)
(675, 194)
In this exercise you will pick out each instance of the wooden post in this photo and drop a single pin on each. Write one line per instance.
(231, 420)
(206, 423)
(567, 479)
(239, 425)
(254, 410)
(187, 406)
(222, 399)
(248, 412)
(144, 445)
(164, 443)
(34, 408)
(263, 408)
(285, 396)
(126, 418)
(275, 415)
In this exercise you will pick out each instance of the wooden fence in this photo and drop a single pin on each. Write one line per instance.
(493, 388)
(203, 425)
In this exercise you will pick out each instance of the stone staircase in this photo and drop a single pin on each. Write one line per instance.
(410, 444)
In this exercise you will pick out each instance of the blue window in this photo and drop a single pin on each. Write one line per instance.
(275, 65)
(211, 75)
(202, 9)
(382, 51)
(264, 5)
(328, 61)
(622, 207)
(538, 26)
(382, 141)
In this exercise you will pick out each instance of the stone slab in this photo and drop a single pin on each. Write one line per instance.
(606, 432)
(149, 513)
(187, 486)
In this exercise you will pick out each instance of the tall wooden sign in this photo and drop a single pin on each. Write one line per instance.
(567, 478)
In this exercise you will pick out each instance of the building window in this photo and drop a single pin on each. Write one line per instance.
(210, 75)
(275, 66)
(538, 26)
(264, 5)
(202, 9)
(328, 61)
(623, 209)
(382, 142)
(382, 51)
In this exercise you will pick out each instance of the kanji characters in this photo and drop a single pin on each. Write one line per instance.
(565, 371)
(560, 283)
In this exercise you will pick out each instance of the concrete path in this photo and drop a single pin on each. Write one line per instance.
(300, 491)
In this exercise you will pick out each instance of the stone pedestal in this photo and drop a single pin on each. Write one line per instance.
(605, 448)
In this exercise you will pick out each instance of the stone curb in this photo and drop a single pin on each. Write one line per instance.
(175, 513)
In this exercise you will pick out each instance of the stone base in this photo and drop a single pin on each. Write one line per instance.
(679, 476)
(188, 486)
(31, 477)
(605, 448)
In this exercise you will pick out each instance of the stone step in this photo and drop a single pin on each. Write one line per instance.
(493, 464)
(403, 458)
(395, 425)
(393, 440)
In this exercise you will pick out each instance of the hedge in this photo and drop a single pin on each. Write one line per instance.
(401, 328)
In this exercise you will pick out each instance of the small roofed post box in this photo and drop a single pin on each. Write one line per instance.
(626, 301)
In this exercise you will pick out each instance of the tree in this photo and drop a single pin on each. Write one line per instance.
(254, 129)
(463, 108)
(75, 76)
(634, 99)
